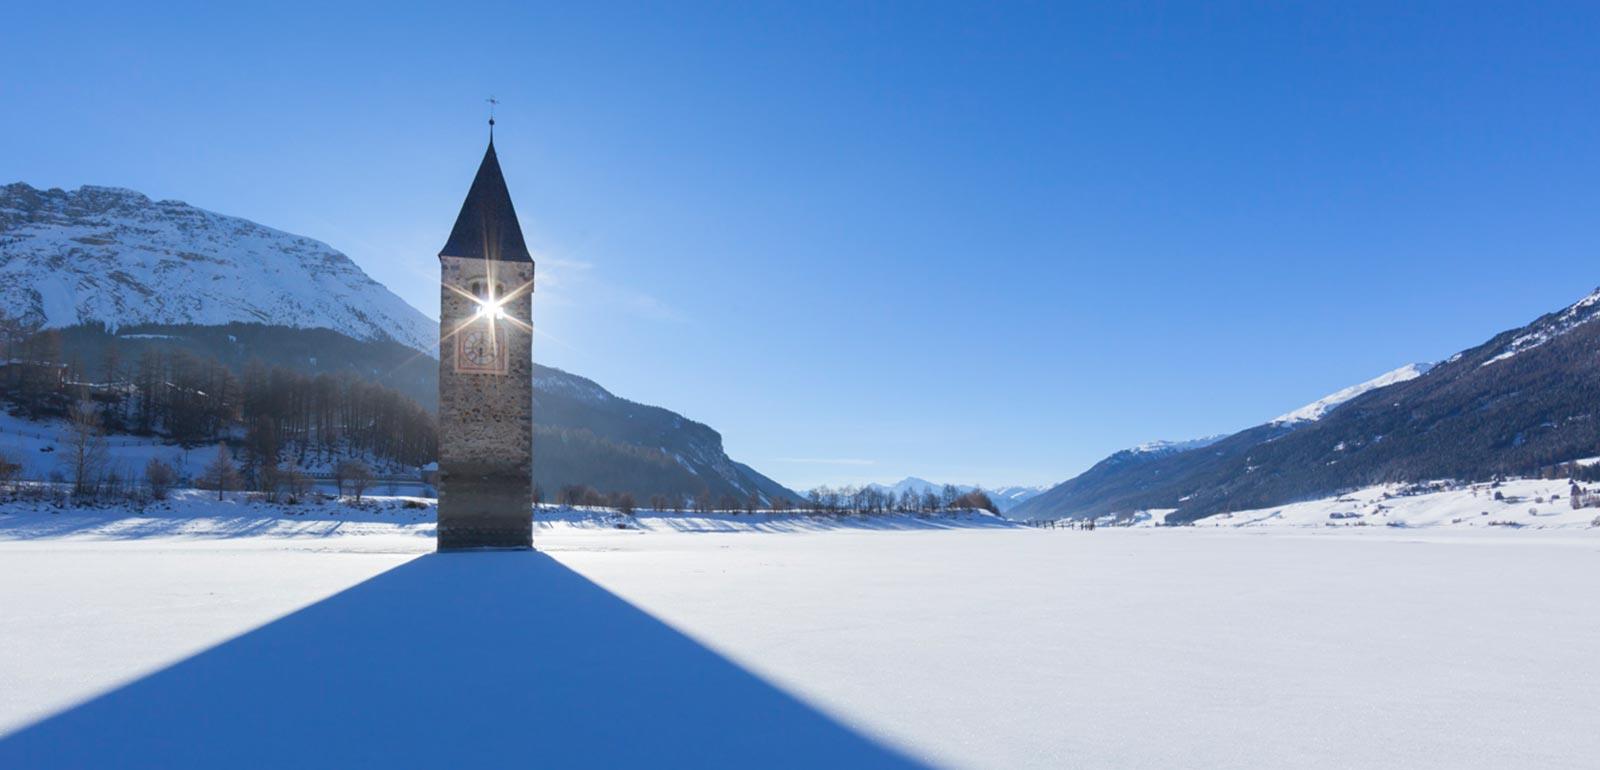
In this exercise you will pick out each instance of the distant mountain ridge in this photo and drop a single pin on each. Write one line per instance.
(1109, 477)
(1316, 410)
(1167, 447)
(1521, 403)
(1005, 498)
(113, 255)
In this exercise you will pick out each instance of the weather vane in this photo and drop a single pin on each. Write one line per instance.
(492, 102)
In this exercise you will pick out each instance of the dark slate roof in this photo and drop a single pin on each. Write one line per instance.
(487, 226)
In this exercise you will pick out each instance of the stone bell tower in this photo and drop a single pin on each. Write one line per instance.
(486, 372)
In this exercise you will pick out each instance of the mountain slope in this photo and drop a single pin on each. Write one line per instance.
(688, 453)
(1524, 401)
(109, 268)
(1124, 480)
(1119, 481)
(1316, 410)
(583, 434)
(1163, 447)
(114, 255)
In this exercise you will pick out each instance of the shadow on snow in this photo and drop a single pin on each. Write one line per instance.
(502, 659)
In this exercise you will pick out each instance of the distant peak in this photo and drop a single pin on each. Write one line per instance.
(1150, 447)
(1551, 327)
(90, 196)
(111, 192)
(1316, 410)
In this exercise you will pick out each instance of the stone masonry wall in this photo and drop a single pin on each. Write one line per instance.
(485, 419)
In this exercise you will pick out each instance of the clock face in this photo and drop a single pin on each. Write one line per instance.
(480, 350)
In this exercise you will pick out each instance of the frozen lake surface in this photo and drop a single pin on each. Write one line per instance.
(961, 646)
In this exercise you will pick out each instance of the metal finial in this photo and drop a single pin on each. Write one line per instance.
(492, 102)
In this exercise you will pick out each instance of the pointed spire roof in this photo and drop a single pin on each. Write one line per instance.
(487, 226)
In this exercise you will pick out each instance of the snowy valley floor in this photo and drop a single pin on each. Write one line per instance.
(242, 639)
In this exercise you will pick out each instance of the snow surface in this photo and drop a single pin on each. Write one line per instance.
(216, 635)
(1318, 409)
(42, 448)
(113, 255)
(1525, 503)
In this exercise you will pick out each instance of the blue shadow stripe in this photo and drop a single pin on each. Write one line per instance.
(450, 660)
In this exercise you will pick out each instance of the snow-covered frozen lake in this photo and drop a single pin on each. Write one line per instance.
(942, 644)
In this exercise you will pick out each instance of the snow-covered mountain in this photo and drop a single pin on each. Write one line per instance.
(1311, 412)
(1168, 447)
(172, 277)
(1522, 403)
(914, 485)
(1316, 410)
(1550, 327)
(113, 255)
(1004, 497)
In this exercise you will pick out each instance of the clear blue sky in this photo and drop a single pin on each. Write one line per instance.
(870, 240)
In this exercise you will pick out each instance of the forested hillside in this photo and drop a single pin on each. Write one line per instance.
(316, 391)
(1527, 402)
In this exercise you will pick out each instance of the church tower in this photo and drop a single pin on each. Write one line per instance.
(486, 372)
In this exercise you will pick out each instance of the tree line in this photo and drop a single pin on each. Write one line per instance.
(275, 415)
(876, 500)
(865, 500)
